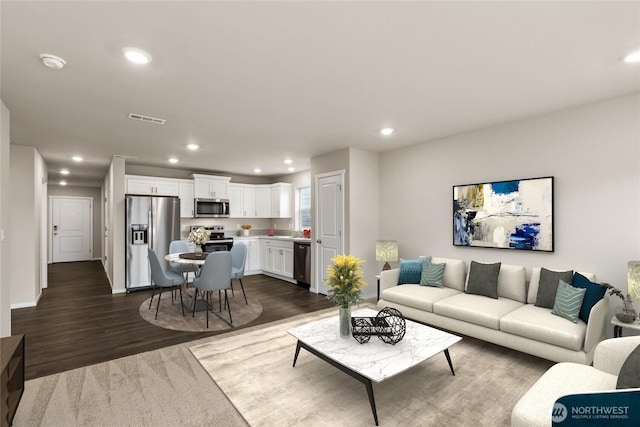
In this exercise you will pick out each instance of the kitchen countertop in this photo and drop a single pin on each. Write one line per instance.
(285, 238)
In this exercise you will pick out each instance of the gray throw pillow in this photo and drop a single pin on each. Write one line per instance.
(483, 279)
(629, 376)
(548, 286)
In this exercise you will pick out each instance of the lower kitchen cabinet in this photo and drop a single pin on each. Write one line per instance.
(277, 258)
(252, 265)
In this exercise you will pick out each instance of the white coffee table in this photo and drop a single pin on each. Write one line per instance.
(373, 361)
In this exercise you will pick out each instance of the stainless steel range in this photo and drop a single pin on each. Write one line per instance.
(217, 240)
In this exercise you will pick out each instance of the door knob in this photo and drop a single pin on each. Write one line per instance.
(318, 241)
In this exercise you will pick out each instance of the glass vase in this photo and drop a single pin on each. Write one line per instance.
(345, 322)
(626, 313)
(198, 248)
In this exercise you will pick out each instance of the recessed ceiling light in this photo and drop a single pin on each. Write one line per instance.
(632, 57)
(291, 169)
(257, 170)
(77, 158)
(193, 147)
(288, 161)
(137, 56)
(63, 182)
(173, 160)
(386, 131)
(64, 171)
(52, 61)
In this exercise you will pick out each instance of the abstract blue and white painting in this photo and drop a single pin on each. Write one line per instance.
(514, 214)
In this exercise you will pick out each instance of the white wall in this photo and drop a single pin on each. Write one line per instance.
(5, 223)
(362, 216)
(28, 173)
(593, 152)
(115, 224)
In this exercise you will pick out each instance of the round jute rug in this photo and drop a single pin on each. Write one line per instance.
(170, 315)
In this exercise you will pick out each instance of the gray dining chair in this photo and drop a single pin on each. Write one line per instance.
(238, 261)
(178, 247)
(214, 276)
(163, 280)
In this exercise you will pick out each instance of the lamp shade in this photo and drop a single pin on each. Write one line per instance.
(386, 250)
(633, 279)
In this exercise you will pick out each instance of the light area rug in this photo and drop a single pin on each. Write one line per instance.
(255, 372)
(170, 315)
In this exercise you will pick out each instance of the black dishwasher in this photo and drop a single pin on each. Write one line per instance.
(302, 263)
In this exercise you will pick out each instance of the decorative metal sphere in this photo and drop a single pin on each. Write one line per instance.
(361, 329)
(396, 325)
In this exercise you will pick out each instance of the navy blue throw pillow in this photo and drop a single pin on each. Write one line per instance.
(595, 292)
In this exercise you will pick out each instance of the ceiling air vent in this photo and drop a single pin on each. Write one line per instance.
(147, 119)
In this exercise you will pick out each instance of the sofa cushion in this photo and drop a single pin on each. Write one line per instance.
(568, 301)
(595, 292)
(410, 271)
(512, 282)
(483, 279)
(537, 323)
(416, 296)
(534, 281)
(548, 286)
(432, 274)
(476, 309)
(630, 372)
(455, 273)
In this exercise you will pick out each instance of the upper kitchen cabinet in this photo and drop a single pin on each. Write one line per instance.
(151, 186)
(211, 187)
(242, 201)
(186, 189)
(281, 200)
(249, 201)
(263, 201)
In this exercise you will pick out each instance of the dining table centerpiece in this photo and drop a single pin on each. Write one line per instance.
(344, 279)
(198, 237)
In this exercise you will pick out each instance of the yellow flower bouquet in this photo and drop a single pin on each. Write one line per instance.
(344, 278)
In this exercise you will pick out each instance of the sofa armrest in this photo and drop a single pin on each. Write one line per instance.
(389, 279)
(597, 324)
(610, 354)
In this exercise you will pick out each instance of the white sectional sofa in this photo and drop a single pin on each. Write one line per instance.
(512, 320)
(535, 408)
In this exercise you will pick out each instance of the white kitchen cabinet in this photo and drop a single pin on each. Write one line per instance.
(281, 198)
(185, 192)
(252, 266)
(211, 187)
(277, 258)
(151, 186)
(242, 201)
(263, 201)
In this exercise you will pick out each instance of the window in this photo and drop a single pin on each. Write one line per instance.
(304, 210)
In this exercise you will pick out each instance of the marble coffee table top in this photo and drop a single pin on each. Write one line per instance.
(375, 359)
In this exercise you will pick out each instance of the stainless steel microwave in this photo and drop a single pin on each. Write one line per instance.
(211, 208)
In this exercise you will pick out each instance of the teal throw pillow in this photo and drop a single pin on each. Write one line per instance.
(568, 301)
(595, 292)
(432, 274)
(410, 271)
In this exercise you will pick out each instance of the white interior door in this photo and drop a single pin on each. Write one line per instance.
(329, 223)
(71, 228)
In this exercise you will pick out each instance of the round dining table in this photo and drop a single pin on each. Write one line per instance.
(191, 258)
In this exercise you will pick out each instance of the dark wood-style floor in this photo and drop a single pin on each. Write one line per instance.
(78, 322)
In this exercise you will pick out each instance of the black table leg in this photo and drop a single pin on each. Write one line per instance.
(617, 331)
(446, 353)
(364, 380)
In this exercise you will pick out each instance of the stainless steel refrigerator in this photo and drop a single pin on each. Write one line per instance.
(151, 222)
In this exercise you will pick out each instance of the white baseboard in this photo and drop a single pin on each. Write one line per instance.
(118, 291)
(24, 304)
